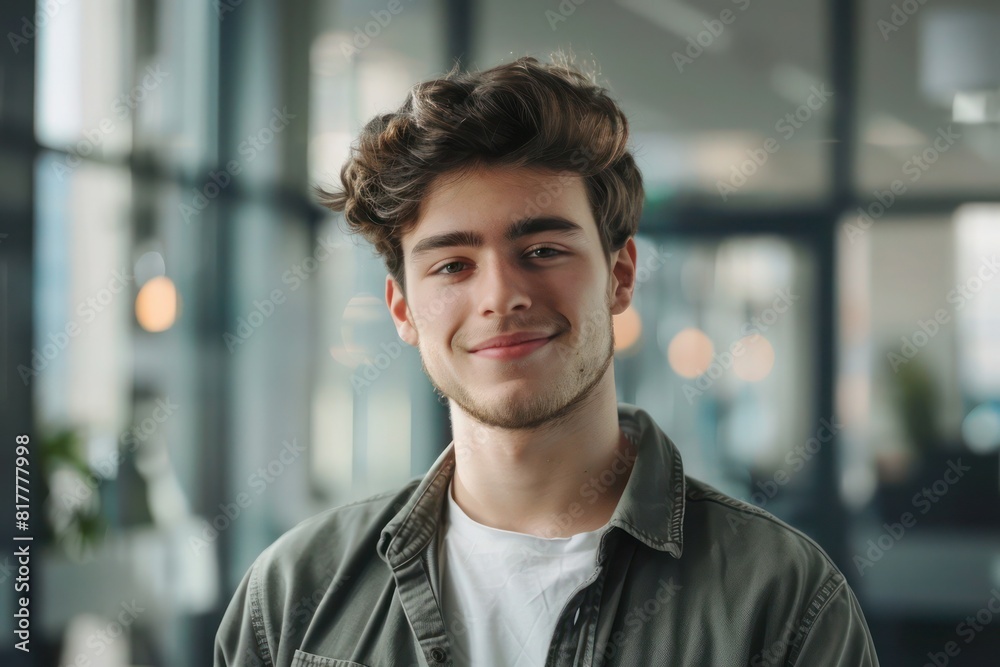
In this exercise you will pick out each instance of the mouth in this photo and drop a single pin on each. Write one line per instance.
(508, 352)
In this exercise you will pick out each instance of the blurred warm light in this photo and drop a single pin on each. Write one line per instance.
(628, 328)
(348, 357)
(757, 359)
(360, 327)
(715, 153)
(981, 429)
(361, 313)
(690, 352)
(156, 304)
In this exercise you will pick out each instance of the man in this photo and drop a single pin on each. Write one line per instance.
(558, 527)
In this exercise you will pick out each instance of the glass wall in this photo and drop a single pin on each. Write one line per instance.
(710, 90)
(918, 394)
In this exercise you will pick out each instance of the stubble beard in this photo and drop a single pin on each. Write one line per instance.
(577, 381)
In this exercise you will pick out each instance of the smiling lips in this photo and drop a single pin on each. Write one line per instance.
(512, 346)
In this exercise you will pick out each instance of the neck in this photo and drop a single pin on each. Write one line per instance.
(555, 481)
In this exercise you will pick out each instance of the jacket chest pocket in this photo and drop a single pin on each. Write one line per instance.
(303, 659)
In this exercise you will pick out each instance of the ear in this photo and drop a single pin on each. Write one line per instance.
(623, 263)
(395, 299)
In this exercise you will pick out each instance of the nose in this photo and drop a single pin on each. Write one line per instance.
(502, 287)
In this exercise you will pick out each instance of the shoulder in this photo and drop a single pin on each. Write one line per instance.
(780, 570)
(774, 573)
(736, 524)
(308, 563)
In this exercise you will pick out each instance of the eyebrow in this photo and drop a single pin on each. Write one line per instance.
(517, 229)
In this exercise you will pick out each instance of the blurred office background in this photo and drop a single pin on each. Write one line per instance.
(202, 359)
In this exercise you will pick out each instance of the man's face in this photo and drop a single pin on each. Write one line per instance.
(553, 281)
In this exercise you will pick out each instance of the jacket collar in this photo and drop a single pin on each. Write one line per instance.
(651, 508)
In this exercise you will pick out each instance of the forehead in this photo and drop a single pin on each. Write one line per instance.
(497, 202)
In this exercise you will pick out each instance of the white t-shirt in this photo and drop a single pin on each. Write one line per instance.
(503, 591)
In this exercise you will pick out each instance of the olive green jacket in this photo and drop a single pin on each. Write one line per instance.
(685, 576)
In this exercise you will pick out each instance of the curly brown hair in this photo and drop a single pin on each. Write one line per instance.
(522, 114)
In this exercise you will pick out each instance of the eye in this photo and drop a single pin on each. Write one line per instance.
(448, 273)
(539, 248)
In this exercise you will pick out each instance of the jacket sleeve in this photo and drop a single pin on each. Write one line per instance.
(838, 637)
(241, 639)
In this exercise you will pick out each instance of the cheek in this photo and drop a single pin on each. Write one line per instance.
(439, 316)
(593, 315)
(586, 281)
